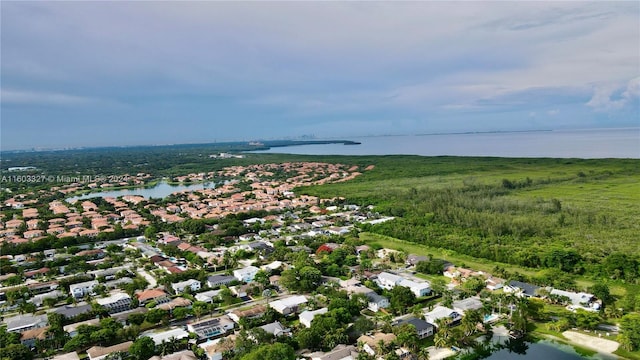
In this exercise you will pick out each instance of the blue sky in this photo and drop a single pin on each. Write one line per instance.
(123, 73)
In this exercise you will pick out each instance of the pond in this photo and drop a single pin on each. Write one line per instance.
(523, 349)
(161, 190)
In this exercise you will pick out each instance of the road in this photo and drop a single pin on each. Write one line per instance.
(150, 279)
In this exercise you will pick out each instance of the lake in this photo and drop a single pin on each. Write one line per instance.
(586, 144)
(543, 349)
(161, 190)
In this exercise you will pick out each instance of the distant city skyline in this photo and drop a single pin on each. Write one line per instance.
(92, 74)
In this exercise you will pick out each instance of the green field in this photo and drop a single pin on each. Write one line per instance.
(577, 216)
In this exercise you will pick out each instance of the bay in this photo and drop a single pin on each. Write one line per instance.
(585, 144)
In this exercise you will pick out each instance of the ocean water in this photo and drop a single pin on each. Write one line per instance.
(586, 144)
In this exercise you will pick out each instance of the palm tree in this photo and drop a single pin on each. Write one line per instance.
(423, 354)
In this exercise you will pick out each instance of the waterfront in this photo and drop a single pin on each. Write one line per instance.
(587, 144)
(543, 349)
(159, 191)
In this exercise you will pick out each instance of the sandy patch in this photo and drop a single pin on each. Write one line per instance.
(592, 342)
(440, 353)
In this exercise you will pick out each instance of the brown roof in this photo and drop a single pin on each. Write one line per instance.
(39, 333)
(97, 351)
(151, 294)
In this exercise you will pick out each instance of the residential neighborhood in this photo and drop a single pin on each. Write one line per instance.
(214, 273)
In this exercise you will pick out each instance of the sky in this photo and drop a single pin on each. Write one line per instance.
(160, 72)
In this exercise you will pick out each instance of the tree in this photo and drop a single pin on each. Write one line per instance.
(401, 298)
(601, 291)
(630, 331)
(142, 348)
(277, 351)
(407, 336)
(17, 352)
(309, 278)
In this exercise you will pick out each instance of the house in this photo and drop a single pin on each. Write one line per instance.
(306, 317)
(72, 329)
(99, 352)
(288, 305)
(419, 289)
(68, 356)
(180, 287)
(69, 312)
(207, 329)
(462, 306)
(251, 313)
(578, 300)
(494, 283)
(218, 280)
(180, 355)
(214, 349)
(38, 300)
(25, 322)
(327, 247)
(246, 274)
(388, 281)
(377, 302)
(208, 296)
(521, 289)
(442, 312)
(340, 352)
(276, 329)
(157, 295)
(175, 303)
(167, 335)
(82, 289)
(115, 303)
(370, 342)
(30, 337)
(423, 329)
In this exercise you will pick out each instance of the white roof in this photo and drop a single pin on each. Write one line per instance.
(83, 284)
(282, 304)
(576, 298)
(184, 283)
(390, 277)
(247, 270)
(272, 266)
(414, 285)
(309, 315)
(176, 333)
(438, 312)
(113, 298)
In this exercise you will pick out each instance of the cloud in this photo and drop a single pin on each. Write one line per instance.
(612, 97)
(47, 98)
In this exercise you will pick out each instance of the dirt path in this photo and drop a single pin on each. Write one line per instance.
(592, 342)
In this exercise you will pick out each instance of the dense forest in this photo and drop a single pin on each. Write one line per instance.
(578, 216)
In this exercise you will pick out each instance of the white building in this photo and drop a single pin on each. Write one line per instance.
(417, 288)
(159, 337)
(306, 317)
(388, 281)
(288, 305)
(180, 287)
(82, 289)
(246, 274)
(117, 302)
(440, 312)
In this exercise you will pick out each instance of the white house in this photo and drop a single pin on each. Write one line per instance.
(180, 287)
(288, 305)
(417, 288)
(388, 281)
(115, 303)
(246, 274)
(84, 288)
(440, 312)
(306, 317)
(377, 302)
(208, 296)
